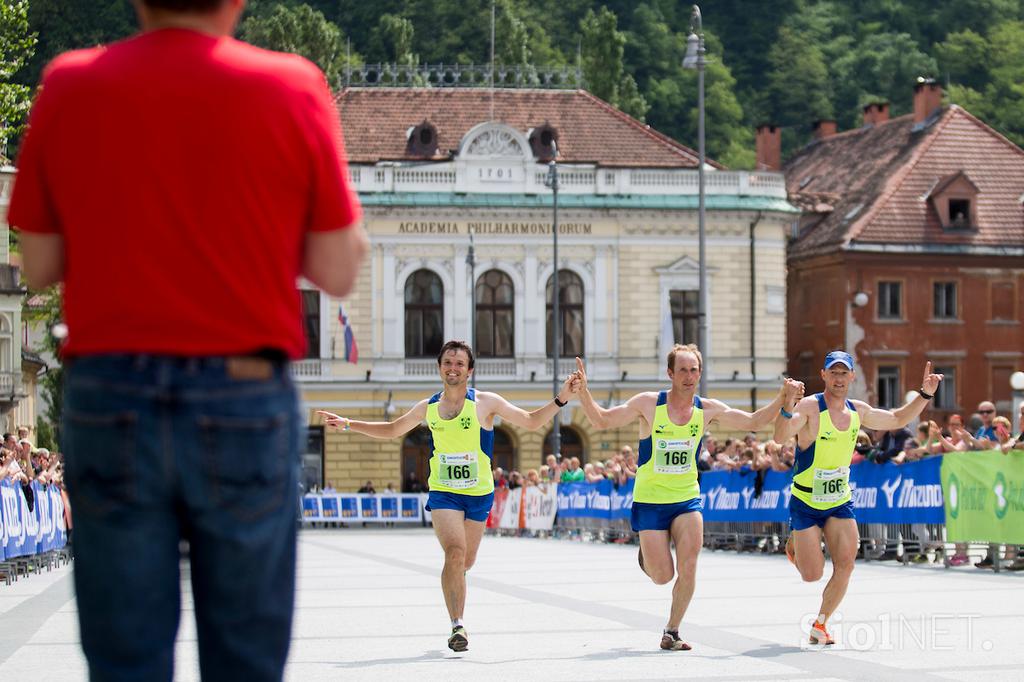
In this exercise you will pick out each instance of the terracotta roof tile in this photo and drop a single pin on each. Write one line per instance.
(884, 173)
(376, 121)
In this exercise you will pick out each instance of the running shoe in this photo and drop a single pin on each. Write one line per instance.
(459, 641)
(819, 635)
(959, 560)
(791, 550)
(985, 563)
(670, 641)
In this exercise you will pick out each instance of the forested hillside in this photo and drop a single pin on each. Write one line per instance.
(788, 62)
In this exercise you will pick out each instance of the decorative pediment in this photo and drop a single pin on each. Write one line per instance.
(683, 266)
(493, 140)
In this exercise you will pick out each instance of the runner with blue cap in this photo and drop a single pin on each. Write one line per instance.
(826, 426)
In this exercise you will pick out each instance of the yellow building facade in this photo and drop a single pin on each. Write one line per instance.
(628, 272)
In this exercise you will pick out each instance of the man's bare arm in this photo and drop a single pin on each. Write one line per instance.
(331, 259)
(42, 259)
(392, 429)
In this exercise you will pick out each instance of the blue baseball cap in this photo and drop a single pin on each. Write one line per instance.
(839, 357)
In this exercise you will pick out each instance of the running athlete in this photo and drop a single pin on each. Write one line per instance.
(826, 426)
(461, 422)
(666, 496)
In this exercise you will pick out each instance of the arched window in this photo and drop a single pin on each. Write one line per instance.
(424, 315)
(572, 444)
(570, 310)
(495, 314)
(416, 460)
(504, 453)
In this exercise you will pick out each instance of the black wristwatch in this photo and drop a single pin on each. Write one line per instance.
(560, 403)
(926, 396)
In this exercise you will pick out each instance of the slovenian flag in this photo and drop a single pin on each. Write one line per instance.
(351, 349)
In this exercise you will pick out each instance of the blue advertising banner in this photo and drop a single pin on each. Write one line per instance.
(595, 500)
(23, 531)
(362, 507)
(881, 493)
(389, 507)
(349, 506)
(905, 493)
(734, 496)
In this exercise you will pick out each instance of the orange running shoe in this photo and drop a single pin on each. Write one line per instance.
(819, 635)
(790, 550)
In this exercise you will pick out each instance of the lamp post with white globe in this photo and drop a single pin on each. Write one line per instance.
(1017, 384)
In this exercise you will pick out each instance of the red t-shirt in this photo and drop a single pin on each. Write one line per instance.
(183, 172)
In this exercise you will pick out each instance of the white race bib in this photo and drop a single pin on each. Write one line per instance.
(830, 485)
(673, 456)
(460, 470)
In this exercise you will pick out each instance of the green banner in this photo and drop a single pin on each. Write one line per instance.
(984, 494)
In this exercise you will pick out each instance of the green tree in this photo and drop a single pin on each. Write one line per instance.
(64, 25)
(396, 34)
(301, 30)
(602, 48)
(964, 58)
(798, 87)
(884, 66)
(48, 315)
(1001, 103)
(16, 48)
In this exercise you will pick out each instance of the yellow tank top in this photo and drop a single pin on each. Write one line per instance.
(460, 459)
(821, 477)
(667, 463)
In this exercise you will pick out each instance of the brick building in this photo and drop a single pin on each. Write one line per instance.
(910, 248)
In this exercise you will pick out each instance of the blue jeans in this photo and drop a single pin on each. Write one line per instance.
(160, 449)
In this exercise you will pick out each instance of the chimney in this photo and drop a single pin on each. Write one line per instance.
(927, 98)
(768, 141)
(875, 113)
(825, 128)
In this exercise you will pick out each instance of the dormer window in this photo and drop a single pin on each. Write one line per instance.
(421, 140)
(955, 201)
(959, 213)
(543, 141)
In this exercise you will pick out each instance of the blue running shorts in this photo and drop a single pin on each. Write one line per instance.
(476, 507)
(802, 515)
(650, 516)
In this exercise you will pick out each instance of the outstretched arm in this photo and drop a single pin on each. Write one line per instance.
(797, 407)
(889, 420)
(606, 418)
(528, 420)
(732, 418)
(392, 429)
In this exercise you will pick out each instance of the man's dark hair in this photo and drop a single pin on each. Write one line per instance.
(184, 5)
(456, 345)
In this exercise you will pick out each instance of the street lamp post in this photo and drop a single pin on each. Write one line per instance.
(556, 326)
(694, 59)
(471, 264)
(1017, 384)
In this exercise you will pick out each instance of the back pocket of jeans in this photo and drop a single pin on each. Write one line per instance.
(100, 461)
(247, 462)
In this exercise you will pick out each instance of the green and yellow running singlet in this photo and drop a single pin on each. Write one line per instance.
(821, 477)
(667, 463)
(460, 457)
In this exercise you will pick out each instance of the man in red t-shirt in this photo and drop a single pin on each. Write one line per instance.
(178, 183)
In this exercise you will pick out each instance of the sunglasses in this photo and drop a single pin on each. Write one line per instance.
(985, 411)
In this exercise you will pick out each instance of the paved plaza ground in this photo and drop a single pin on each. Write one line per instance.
(369, 608)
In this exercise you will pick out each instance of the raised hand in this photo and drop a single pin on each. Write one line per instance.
(793, 391)
(331, 419)
(581, 375)
(931, 381)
